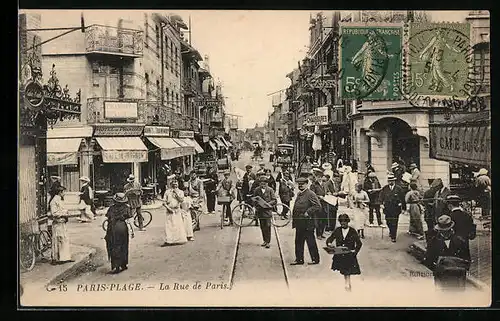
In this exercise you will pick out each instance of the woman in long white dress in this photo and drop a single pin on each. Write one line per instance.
(61, 252)
(187, 220)
(175, 232)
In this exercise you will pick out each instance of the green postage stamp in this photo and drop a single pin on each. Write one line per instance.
(370, 60)
(439, 56)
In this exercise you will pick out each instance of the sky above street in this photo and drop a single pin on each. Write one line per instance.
(250, 52)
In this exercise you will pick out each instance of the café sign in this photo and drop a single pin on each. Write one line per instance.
(318, 119)
(124, 156)
(470, 144)
(322, 83)
(118, 130)
(186, 134)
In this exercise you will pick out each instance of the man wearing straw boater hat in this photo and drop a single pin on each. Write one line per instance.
(447, 255)
(133, 190)
(392, 198)
(87, 197)
(266, 200)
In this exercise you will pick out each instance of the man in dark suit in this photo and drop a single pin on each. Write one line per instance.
(440, 205)
(318, 189)
(304, 210)
(447, 256)
(464, 224)
(392, 198)
(266, 200)
(245, 186)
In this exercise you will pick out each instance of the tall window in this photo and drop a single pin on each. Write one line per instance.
(147, 86)
(158, 90)
(167, 49)
(146, 31)
(168, 96)
(176, 62)
(482, 67)
(177, 102)
(157, 40)
(172, 61)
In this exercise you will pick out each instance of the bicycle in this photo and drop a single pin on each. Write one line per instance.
(244, 214)
(34, 245)
(145, 214)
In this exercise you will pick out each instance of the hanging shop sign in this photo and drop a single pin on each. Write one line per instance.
(162, 131)
(370, 60)
(469, 144)
(322, 83)
(54, 159)
(186, 134)
(118, 130)
(318, 119)
(34, 94)
(120, 109)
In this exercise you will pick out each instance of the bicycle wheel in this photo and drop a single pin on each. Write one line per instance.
(44, 243)
(278, 219)
(147, 219)
(27, 254)
(105, 225)
(243, 214)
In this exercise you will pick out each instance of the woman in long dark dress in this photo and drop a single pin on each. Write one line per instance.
(345, 260)
(117, 233)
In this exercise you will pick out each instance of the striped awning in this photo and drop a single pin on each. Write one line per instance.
(219, 142)
(169, 149)
(123, 149)
(228, 144)
(212, 144)
(63, 151)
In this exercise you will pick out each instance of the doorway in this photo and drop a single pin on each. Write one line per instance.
(405, 145)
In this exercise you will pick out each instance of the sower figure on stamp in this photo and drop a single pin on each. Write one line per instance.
(306, 206)
(392, 198)
(266, 200)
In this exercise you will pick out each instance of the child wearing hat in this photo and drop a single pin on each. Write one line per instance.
(348, 244)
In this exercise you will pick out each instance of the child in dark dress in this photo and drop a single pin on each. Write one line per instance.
(345, 261)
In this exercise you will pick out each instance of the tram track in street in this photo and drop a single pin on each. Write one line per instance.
(253, 263)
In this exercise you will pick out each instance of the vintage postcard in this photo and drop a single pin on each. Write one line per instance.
(254, 158)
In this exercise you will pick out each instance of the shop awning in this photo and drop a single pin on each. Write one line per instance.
(219, 142)
(187, 148)
(70, 132)
(169, 149)
(212, 144)
(63, 151)
(228, 144)
(465, 139)
(123, 149)
(196, 146)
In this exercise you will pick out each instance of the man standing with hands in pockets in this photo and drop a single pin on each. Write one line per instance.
(306, 206)
(266, 199)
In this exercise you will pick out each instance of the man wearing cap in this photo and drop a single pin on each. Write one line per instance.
(264, 208)
(317, 188)
(372, 186)
(245, 186)
(447, 255)
(306, 206)
(392, 198)
(415, 175)
(226, 189)
(87, 196)
(483, 191)
(133, 191)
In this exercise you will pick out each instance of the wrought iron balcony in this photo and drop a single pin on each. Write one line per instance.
(205, 128)
(189, 87)
(157, 114)
(108, 40)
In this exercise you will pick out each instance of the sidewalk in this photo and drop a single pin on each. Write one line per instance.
(45, 277)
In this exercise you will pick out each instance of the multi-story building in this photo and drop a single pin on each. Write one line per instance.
(135, 113)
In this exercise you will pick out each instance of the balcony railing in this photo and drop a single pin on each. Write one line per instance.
(114, 41)
(189, 87)
(147, 112)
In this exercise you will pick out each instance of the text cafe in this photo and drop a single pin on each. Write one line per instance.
(465, 142)
(118, 152)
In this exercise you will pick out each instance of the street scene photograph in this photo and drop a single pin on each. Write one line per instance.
(254, 158)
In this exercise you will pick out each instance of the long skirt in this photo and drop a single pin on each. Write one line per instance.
(188, 222)
(175, 232)
(117, 244)
(60, 243)
(416, 220)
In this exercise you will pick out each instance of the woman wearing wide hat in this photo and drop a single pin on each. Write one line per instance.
(61, 252)
(347, 246)
(117, 241)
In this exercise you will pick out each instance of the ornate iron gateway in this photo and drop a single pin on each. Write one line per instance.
(40, 103)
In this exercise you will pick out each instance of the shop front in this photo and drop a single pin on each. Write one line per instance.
(386, 132)
(465, 142)
(67, 154)
(118, 152)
